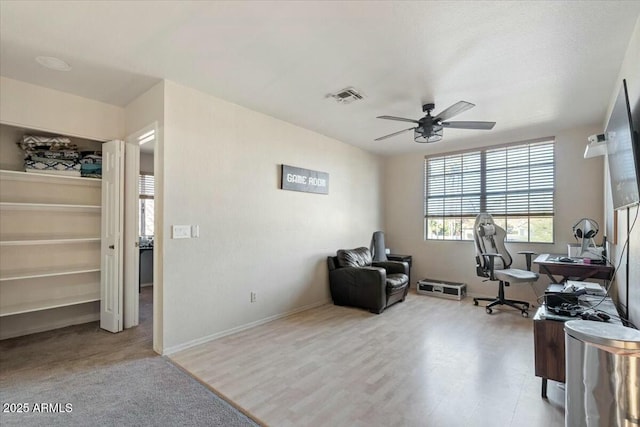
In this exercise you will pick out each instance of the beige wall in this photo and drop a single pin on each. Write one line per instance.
(35, 107)
(145, 109)
(221, 169)
(629, 70)
(579, 192)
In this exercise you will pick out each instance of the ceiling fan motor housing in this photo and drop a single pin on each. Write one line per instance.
(426, 108)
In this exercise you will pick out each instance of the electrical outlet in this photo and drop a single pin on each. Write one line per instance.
(253, 297)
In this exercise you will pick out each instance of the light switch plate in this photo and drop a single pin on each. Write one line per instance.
(195, 231)
(181, 232)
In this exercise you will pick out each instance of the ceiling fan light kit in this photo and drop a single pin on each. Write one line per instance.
(430, 128)
(420, 137)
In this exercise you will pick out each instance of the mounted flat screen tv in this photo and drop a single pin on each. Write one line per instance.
(623, 153)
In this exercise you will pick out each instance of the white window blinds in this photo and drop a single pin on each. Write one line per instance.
(146, 184)
(514, 183)
(520, 180)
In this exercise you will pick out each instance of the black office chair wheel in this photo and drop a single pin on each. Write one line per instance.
(488, 310)
(475, 301)
(525, 313)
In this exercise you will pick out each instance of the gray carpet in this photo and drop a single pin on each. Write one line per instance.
(144, 392)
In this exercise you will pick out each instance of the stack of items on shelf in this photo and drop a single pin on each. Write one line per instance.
(50, 154)
(58, 156)
(91, 164)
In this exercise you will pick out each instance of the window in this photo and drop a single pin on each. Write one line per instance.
(514, 183)
(146, 184)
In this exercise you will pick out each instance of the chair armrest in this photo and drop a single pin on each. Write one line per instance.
(393, 267)
(491, 263)
(359, 286)
(371, 278)
(528, 255)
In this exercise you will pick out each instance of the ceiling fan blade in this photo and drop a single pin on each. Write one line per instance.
(392, 134)
(400, 119)
(454, 110)
(469, 125)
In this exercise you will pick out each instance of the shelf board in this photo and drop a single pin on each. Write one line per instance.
(34, 273)
(11, 310)
(16, 206)
(46, 240)
(49, 178)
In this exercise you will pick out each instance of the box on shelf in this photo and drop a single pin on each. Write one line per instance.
(442, 289)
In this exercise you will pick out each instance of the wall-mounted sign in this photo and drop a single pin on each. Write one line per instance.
(299, 179)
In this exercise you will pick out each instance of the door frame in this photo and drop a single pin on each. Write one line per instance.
(131, 236)
(130, 239)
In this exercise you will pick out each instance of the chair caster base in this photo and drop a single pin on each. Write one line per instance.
(521, 306)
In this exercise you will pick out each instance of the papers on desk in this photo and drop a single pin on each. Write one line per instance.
(590, 287)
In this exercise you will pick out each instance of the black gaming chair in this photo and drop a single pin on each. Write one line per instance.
(493, 262)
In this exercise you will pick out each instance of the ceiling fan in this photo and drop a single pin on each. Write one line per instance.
(429, 128)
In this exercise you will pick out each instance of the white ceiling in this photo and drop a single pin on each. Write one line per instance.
(533, 67)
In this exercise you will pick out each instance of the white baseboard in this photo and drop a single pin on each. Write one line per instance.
(78, 320)
(176, 348)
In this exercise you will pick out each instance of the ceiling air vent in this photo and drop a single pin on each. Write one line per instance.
(346, 96)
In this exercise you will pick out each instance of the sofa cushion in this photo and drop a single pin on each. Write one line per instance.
(359, 257)
(396, 282)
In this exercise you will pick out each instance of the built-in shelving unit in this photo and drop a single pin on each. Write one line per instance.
(49, 304)
(49, 241)
(49, 247)
(49, 178)
(9, 206)
(47, 272)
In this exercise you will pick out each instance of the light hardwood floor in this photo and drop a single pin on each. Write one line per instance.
(424, 362)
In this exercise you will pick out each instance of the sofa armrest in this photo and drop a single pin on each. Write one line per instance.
(393, 267)
(359, 286)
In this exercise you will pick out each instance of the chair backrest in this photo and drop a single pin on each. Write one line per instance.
(489, 238)
(358, 257)
(377, 247)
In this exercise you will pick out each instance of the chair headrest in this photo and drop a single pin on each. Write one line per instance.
(485, 230)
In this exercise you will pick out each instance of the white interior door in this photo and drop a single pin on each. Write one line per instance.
(131, 233)
(111, 297)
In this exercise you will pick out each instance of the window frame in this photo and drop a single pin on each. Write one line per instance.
(484, 195)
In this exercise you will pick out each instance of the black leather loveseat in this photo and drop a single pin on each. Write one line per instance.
(356, 281)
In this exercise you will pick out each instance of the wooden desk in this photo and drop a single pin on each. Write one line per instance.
(548, 339)
(574, 271)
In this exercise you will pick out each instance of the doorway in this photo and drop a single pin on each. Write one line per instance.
(140, 228)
